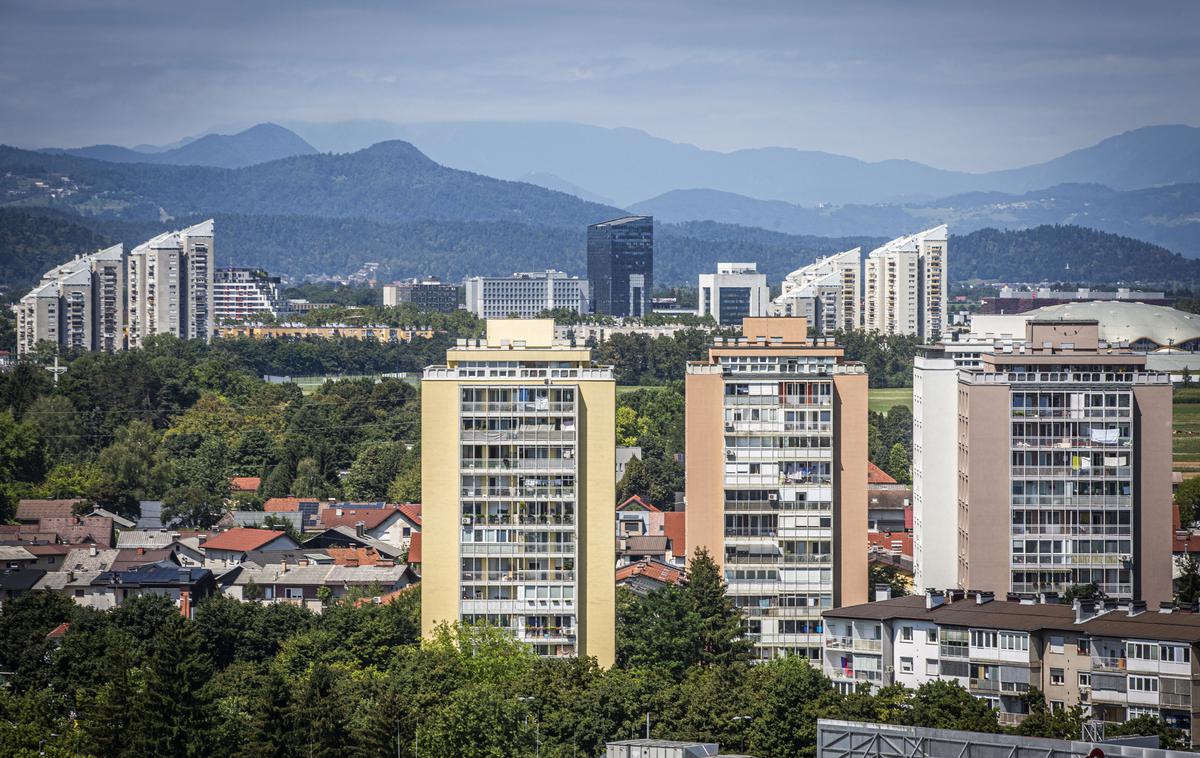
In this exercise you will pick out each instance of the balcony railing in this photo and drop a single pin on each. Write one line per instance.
(1107, 663)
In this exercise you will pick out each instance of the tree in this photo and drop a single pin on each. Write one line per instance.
(655, 479)
(57, 426)
(661, 628)
(1090, 591)
(133, 468)
(278, 483)
(318, 716)
(171, 709)
(310, 482)
(898, 464)
(1169, 738)
(944, 704)
(1188, 583)
(374, 469)
(1187, 497)
(721, 630)
(272, 734)
(193, 506)
(897, 583)
(1043, 721)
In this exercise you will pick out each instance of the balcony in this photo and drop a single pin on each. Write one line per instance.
(1108, 664)
(863, 645)
(839, 643)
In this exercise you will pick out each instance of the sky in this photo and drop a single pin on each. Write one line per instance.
(960, 85)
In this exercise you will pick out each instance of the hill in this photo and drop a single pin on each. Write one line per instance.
(391, 181)
(1168, 216)
(630, 165)
(258, 144)
(31, 244)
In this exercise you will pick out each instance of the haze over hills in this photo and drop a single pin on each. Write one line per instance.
(1168, 216)
(630, 165)
(258, 144)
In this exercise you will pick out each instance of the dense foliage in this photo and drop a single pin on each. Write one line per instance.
(31, 244)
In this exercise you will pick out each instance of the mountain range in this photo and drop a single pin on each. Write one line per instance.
(258, 144)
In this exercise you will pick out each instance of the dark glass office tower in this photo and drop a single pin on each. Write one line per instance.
(621, 265)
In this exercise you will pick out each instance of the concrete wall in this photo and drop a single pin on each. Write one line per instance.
(1152, 493)
(704, 468)
(935, 473)
(850, 493)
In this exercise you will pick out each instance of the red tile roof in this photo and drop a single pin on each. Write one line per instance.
(241, 539)
(635, 502)
(651, 569)
(245, 483)
(34, 510)
(675, 529)
(891, 540)
(412, 511)
(414, 548)
(355, 556)
(371, 517)
(382, 599)
(876, 475)
(58, 631)
(282, 505)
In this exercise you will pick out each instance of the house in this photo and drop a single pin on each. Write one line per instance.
(625, 454)
(147, 539)
(306, 507)
(49, 553)
(302, 556)
(294, 519)
(90, 558)
(894, 549)
(382, 599)
(675, 530)
(118, 520)
(184, 586)
(230, 547)
(644, 530)
(889, 503)
(648, 575)
(392, 524)
(638, 518)
(301, 585)
(344, 536)
(414, 552)
(79, 530)
(633, 549)
(31, 511)
(15, 557)
(16, 582)
(248, 484)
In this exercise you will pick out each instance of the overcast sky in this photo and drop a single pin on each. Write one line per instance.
(953, 84)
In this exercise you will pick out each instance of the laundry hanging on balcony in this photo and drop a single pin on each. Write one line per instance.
(1106, 436)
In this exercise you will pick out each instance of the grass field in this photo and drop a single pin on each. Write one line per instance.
(1187, 428)
(881, 400)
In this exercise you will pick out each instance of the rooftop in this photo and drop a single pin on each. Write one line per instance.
(242, 539)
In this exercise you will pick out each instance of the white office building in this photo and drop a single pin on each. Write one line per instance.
(171, 285)
(526, 294)
(827, 292)
(906, 286)
(246, 293)
(735, 292)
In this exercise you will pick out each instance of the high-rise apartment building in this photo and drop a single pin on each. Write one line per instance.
(428, 294)
(246, 293)
(827, 292)
(525, 294)
(735, 292)
(170, 285)
(1061, 465)
(518, 450)
(621, 265)
(76, 306)
(777, 478)
(906, 286)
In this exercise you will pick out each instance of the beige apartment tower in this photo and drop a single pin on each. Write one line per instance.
(906, 286)
(1063, 468)
(518, 447)
(76, 306)
(777, 478)
(170, 285)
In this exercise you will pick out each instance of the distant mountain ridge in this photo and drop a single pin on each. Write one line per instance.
(630, 165)
(258, 144)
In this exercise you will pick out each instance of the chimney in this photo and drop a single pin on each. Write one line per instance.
(141, 551)
(1166, 607)
(92, 551)
(953, 595)
(882, 592)
(934, 599)
(1085, 610)
(1136, 607)
(1047, 598)
(360, 529)
(283, 565)
(983, 598)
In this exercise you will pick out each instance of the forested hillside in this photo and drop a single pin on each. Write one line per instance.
(30, 244)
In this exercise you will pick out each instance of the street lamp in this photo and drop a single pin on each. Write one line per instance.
(537, 738)
(743, 729)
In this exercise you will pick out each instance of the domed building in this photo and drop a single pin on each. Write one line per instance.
(1145, 328)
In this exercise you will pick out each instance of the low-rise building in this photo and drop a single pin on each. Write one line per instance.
(369, 332)
(649, 575)
(300, 585)
(526, 294)
(737, 291)
(245, 293)
(229, 548)
(1117, 659)
(393, 524)
(428, 294)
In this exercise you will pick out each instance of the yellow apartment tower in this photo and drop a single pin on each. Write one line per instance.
(518, 447)
(777, 478)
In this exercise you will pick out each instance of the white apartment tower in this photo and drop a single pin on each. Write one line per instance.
(906, 286)
(735, 292)
(171, 285)
(827, 292)
(76, 306)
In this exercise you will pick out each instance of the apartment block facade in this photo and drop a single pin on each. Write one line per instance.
(170, 285)
(1061, 460)
(906, 290)
(735, 292)
(518, 448)
(1116, 659)
(827, 292)
(76, 306)
(240, 294)
(620, 265)
(427, 294)
(776, 480)
(525, 294)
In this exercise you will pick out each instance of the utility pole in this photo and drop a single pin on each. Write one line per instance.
(647, 724)
(56, 369)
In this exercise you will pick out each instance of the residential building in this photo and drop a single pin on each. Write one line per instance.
(340, 537)
(183, 586)
(776, 435)
(620, 255)
(735, 292)
(648, 575)
(369, 332)
(1116, 659)
(301, 585)
(229, 548)
(76, 306)
(525, 294)
(428, 294)
(31, 511)
(906, 286)
(625, 454)
(393, 524)
(597, 333)
(827, 292)
(170, 285)
(240, 294)
(1060, 462)
(518, 452)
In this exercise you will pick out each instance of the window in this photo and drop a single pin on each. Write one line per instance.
(931, 666)
(1014, 641)
(980, 638)
(1143, 684)
(1056, 644)
(1143, 651)
(932, 635)
(294, 593)
(906, 665)
(1085, 679)
(906, 633)
(1057, 677)
(1081, 646)
(1175, 654)
(1057, 705)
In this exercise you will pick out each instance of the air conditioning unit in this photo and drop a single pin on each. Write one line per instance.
(773, 496)
(889, 669)
(466, 520)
